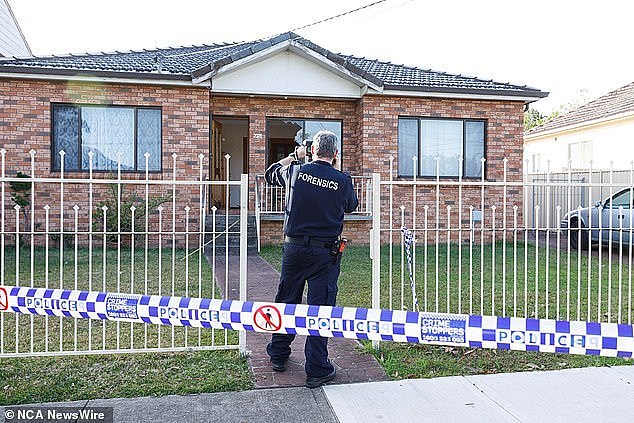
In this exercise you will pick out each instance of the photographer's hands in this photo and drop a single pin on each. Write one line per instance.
(299, 153)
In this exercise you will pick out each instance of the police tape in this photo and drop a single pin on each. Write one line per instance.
(544, 335)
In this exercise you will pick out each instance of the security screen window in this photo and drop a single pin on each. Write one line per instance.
(445, 139)
(113, 134)
(283, 135)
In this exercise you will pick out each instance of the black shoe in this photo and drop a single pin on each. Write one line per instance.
(316, 382)
(279, 366)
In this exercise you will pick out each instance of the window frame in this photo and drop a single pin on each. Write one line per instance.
(269, 118)
(79, 138)
(464, 121)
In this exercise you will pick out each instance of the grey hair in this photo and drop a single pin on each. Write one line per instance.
(325, 143)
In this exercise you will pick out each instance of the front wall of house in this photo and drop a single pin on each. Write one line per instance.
(25, 124)
(374, 138)
(370, 136)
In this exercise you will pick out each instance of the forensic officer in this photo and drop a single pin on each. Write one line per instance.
(317, 196)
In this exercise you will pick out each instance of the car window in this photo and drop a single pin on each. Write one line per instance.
(621, 200)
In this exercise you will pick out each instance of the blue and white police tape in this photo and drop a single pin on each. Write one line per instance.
(409, 240)
(545, 335)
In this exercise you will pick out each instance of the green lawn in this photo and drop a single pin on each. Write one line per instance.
(408, 360)
(72, 377)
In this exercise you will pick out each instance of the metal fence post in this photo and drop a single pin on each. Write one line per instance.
(244, 216)
(375, 244)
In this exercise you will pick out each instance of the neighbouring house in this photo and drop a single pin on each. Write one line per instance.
(600, 132)
(255, 101)
(12, 41)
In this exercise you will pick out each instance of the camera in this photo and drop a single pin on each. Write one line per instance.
(309, 154)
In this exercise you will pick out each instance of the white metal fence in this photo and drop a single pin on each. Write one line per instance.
(114, 232)
(473, 251)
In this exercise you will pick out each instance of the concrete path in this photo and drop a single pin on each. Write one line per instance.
(352, 365)
(574, 395)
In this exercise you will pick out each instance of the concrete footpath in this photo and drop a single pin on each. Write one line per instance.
(575, 395)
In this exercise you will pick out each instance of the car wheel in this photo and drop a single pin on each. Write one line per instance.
(579, 237)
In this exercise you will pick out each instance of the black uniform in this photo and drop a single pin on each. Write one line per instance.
(317, 196)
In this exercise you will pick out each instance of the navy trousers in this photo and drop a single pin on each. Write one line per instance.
(321, 270)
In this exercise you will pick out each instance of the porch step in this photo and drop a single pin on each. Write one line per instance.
(219, 233)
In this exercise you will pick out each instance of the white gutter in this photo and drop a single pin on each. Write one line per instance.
(114, 80)
(283, 95)
(431, 94)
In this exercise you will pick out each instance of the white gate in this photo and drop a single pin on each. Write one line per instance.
(130, 233)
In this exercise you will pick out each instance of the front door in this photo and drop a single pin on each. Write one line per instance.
(217, 167)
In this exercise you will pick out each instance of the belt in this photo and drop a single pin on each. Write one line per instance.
(311, 242)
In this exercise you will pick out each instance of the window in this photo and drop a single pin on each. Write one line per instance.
(580, 154)
(447, 139)
(284, 134)
(110, 133)
(622, 199)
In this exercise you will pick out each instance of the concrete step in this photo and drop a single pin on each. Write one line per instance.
(232, 238)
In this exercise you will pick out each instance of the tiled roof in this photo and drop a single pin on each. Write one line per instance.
(407, 77)
(175, 61)
(612, 104)
(195, 61)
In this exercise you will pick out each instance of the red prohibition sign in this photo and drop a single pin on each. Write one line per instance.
(268, 318)
(4, 299)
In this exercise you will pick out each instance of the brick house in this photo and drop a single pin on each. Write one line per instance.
(253, 101)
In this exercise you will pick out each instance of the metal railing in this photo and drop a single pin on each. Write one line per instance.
(271, 200)
(474, 252)
(123, 233)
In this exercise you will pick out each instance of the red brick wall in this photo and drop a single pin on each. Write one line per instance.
(504, 127)
(25, 122)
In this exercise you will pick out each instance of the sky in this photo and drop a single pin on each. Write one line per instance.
(576, 50)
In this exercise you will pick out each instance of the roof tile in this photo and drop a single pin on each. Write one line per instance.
(197, 60)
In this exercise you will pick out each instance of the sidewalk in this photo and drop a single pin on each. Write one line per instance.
(574, 395)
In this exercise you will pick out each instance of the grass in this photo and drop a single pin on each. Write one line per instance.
(416, 361)
(37, 379)
(42, 379)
